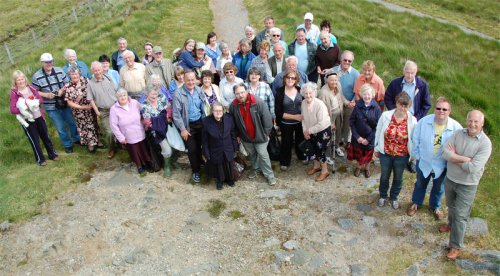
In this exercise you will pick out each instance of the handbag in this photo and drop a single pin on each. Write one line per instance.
(308, 147)
(239, 167)
(157, 161)
(273, 147)
(243, 150)
(174, 138)
(60, 102)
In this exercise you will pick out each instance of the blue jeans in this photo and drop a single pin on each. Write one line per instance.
(60, 118)
(437, 190)
(388, 164)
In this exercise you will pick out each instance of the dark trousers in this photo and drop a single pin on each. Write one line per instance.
(313, 77)
(193, 144)
(36, 130)
(287, 134)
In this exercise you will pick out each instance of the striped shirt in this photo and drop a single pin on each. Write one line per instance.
(49, 82)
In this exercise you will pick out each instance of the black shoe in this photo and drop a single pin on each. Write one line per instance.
(196, 177)
(68, 149)
(92, 151)
(219, 185)
(231, 183)
(101, 146)
(147, 167)
(141, 170)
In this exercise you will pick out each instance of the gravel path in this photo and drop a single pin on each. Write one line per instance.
(230, 18)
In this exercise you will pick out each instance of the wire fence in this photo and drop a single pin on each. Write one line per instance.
(18, 47)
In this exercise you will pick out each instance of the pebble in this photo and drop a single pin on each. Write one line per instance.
(282, 256)
(419, 227)
(365, 208)
(359, 270)
(291, 244)
(281, 194)
(352, 242)
(271, 241)
(369, 222)
(413, 271)
(299, 257)
(476, 227)
(347, 223)
(317, 261)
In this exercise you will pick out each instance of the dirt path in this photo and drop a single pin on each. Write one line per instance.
(230, 18)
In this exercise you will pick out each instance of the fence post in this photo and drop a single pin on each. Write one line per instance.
(55, 25)
(90, 7)
(8, 53)
(34, 37)
(74, 13)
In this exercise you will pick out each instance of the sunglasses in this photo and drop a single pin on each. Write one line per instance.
(230, 72)
(441, 108)
(348, 60)
(291, 78)
(276, 35)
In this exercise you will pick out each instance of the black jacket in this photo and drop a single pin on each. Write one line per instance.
(216, 145)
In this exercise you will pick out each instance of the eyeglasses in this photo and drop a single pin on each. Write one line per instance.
(442, 108)
(276, 35)
(290, 78)
(347, 60)
(230, 72)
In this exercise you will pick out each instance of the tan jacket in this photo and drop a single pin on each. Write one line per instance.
(327, 97)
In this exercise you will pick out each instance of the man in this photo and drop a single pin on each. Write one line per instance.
(429, 135)
(275, 39)
(467, 152)
(49, 81)
(117, 58)
(291, 64)
(347, 78)
(133, 76)
(265, 34)
(276, 64)
(102, 95)
(188, 108)
(253, 125)
(305, 51)
(328, 55)
(162, 67)
(312, 31)
(415, 87)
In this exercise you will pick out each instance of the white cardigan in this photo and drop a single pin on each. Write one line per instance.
(382, 125)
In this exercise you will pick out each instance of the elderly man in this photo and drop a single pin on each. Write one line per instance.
(415, 87)
(101, 93)
(328, 55)
(49, 81)
(305, 51)
(275, 39)
(265, 34)
(347, 78)
(188, 108)
(161, 66)
(429, 135)
(312, 31)
(467, 152)
(117, 58)
(133, 76)
(291, 64)
(253, 125)
(276, 64)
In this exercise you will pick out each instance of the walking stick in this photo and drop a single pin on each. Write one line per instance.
(333, 151)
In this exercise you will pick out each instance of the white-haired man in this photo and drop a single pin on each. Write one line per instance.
(133, 76)
(117, 59)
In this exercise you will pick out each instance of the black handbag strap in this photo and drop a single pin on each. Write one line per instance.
(371, 124)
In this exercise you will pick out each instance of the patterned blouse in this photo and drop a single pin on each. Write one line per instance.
(213, 98)
(77, 94)
(149, 111)
(396, 138)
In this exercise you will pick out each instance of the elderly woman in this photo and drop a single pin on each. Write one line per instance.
(227, 84)
(325, 26)
(115, 76)
(125, 121)
(178, 79)
(393, 145)
(70, 55)
(316, 126)
(37, 129)
(148, 57)
(250, 34)
(331, 94)
(276, 38)
(288, 103)
(375, 81)
(155, 79)
(224, 58)
(186, 56)
(363, 123)
(213, 50)
(156, 107)
(219, 144)
(260, 61)
(243, 58)
(260, 89)
(75, 94)
(211, 90)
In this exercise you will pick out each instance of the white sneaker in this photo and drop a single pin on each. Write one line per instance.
(329, 161)
(271, 181)
(339, 152)
(395, 204)
(381, 202)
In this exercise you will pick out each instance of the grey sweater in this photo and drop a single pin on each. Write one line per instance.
(478, 148)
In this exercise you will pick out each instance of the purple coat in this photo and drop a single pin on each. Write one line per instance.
(15, 95)
(127, 125)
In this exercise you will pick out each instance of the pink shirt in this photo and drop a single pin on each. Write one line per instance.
(126, 124)
(376, 82)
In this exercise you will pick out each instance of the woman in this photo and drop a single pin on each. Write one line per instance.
(70, 55)
(75, 94)
(115, 76)
(219, 144)
(148, 57)
(243, 58)
(224, 58)
(213, 51)
(211, 90)
(186, 57)
(260, 61)
(375, 81)
(288, 103)
(276, 38)
(151, 108)
(155, 79)
(325, 26)
(316, 126)
(125, 121)
(260, 88)
(227, 84)
(37, 129)
(331, 94)
(178, 79)
(393, 145)
(363, 124)
(250, 34)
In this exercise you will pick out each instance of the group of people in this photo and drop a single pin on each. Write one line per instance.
(217, 103)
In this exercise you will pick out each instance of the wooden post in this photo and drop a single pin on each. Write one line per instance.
(34, 37)
(55, 25)
(8, 53)
(74, 13)
(90, 7)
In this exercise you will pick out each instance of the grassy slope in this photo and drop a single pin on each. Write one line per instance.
(20, 192)
(461, 67)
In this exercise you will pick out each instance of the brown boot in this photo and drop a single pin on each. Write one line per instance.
(453, 254)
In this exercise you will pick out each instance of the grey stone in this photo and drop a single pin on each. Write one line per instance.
(123, 178)
(201, 217)
(334, 232)
(370, 183)
(137, 256)
(478, 266)
(282, 256)
(369, 222)
(299, 257)
(352, 242)
(286, 219)
(425, 263)
(347, 223)
(365, 208)
(490, 255)
(336, 239)
(4, 226)
(359, 270)
(275, 268)
(291, 244)
(476, 227)
(413, 271)
(151, 192)
(200, 269)
(317, 261)
(419, 227)
(271, 241)
(281, 194)
(445, 244)
(420, 241)
(132, 223)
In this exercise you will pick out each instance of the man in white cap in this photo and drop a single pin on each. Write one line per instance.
(161, 66)
(312, 31)
(49, 81)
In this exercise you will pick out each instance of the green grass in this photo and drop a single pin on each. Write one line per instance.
(215, 207)
(235, 214)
